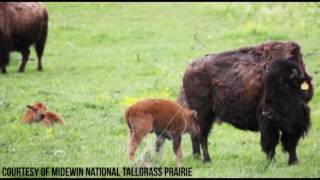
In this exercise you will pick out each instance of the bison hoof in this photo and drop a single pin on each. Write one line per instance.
(196, 156)
(293, 162)
(207, 160)
(272, 161)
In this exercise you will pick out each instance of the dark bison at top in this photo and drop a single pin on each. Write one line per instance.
(263, 88)
(22, 24)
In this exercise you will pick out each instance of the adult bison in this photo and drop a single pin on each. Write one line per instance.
(22, 24)
(235, 87)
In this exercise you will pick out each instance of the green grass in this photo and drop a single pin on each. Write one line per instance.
(101, 56)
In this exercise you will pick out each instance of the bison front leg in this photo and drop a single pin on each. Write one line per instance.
(269, 141)
(195, 147)
(3, 70)
(289, 143)
(25, 56)
(4, 60)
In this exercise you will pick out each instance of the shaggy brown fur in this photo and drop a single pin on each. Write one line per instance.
(282, 109)
(21, 25)
(229, 86)
(166, 118)
(38, 112)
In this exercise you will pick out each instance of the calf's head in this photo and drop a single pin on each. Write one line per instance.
(38, 111)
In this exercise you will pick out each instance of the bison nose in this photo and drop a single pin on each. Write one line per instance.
(267, 114)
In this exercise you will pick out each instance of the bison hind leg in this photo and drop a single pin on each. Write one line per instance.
(39, 47)
(176, 142)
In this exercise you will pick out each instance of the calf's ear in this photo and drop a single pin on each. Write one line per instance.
(194, 113)
(31, 107)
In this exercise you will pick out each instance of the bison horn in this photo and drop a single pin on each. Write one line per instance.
(294, 73)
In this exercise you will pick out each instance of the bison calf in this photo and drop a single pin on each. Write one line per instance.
(166, 118)
(38, 112)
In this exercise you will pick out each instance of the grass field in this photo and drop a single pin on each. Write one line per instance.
(101, 57)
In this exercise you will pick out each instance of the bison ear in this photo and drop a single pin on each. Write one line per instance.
(294, 73)
(31, 107)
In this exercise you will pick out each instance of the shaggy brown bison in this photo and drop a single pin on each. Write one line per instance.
(38, 112)
(22, 24)
(282, 108)
(244, 89)
(164, 117)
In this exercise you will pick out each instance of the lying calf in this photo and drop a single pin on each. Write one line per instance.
(166, 118)
(38, 112)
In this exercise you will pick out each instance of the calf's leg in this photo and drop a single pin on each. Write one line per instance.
(134, 141)
(159, 143)
(176, 141)
(140, 126)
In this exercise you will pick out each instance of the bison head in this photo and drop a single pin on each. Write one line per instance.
(283, 98)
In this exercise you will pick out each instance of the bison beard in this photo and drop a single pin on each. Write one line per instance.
(233, 87)
(22, 25)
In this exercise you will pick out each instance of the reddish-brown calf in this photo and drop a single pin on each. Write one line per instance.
(164, 117)
(38, 112)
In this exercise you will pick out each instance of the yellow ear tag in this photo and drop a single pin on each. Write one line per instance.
(304, 86)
